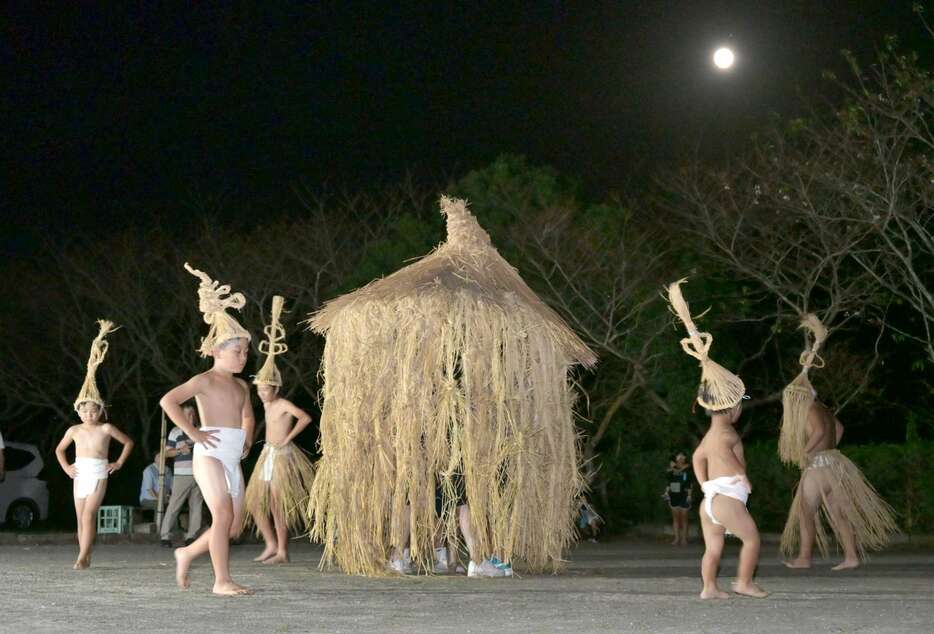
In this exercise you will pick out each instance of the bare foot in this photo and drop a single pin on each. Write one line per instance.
(800, 562)
(268, 552)
(182, 564)
(82, 564)
(847, 564)
(675, 542)
(713, 593)
(277, 559)
(749, 589)
(231, 589)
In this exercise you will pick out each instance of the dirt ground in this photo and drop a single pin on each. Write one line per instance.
(618, 586)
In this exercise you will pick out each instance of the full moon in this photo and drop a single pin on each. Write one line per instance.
(723, 58)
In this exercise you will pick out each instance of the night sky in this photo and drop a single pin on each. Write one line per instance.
(117, 115)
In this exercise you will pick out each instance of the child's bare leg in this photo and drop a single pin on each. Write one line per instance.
(810, 502)
(225, 511)
(683, 525)
(845, 531)
(87, 522)
(281, 556)
(736, 518)
(675, 526)
(264, 524)
(713, 550)
(463, 515)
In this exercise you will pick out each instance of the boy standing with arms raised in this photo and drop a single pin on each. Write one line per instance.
(226, 433)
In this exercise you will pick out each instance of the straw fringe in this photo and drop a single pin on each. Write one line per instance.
(292, 478)
(99, 347)
(719, 388)
(448, 369)
(856, 504)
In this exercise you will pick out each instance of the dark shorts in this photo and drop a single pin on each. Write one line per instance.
(679, 502)
(460, 493)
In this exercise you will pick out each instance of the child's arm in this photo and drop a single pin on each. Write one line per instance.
(60, 454)
(302, 418)
(699, 461)
(171, 404)
(128, 443)
(247, 420)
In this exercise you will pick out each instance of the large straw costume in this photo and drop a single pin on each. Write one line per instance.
(719, 388)
(89, 392)
(282, 475)
(449, 367)
(841, 484)
(213, 302)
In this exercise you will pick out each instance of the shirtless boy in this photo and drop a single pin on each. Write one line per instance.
(282, 477)
(718, 461)
(831, 483)
(92, 445)
(720, 467)
(225, 436)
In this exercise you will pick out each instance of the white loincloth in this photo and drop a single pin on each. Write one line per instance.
(228, 449)
(90, 471)
(731, 486)
(269, 463)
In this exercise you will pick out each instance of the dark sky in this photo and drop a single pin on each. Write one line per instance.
(112, 115)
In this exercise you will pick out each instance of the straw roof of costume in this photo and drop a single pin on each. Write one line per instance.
(213, 302)
(719, 388)
(799, 395)
(449, 374)
(89, 392)
(272, 346)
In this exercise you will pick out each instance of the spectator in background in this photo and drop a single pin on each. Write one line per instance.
(184, 488)
(149, 490)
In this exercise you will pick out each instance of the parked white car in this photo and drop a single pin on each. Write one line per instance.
(24, 498)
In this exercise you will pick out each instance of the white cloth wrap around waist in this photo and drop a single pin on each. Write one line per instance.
(89, 471)
(271, 453)
(821, 459)
(731, 486)
(228, 448)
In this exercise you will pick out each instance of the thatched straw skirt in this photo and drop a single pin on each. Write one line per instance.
(280, 481)
(846, 501)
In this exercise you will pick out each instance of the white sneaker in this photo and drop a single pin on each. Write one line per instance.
(484, 569)
(506, 568)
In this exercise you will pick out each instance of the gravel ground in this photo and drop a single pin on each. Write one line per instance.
(618, 586)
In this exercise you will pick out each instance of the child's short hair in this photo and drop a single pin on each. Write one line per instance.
(230, 342)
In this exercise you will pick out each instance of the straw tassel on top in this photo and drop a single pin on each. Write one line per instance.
(273, 346)
(89, 392)
(213, 302)
(799, 395)
(719, 388)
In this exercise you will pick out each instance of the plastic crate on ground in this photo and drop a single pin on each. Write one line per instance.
(115, 519)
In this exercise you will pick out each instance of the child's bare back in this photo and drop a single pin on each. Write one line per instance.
(721, 453)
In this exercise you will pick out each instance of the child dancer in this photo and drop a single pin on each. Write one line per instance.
(283, 474)
(719, 463)
(832, 491)
(225, 435)
(92, 443)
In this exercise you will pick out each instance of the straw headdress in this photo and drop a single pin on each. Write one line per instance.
(449, 375)
(213, 302)
(89, 391)
(799, 395)
(272, 347)
(719, 388)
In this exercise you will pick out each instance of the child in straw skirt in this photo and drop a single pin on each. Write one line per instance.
(833, 492)
(283, 474)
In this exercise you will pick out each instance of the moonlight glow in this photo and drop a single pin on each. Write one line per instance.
(723, 58)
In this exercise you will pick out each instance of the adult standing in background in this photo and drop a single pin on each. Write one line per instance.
(184, 488)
